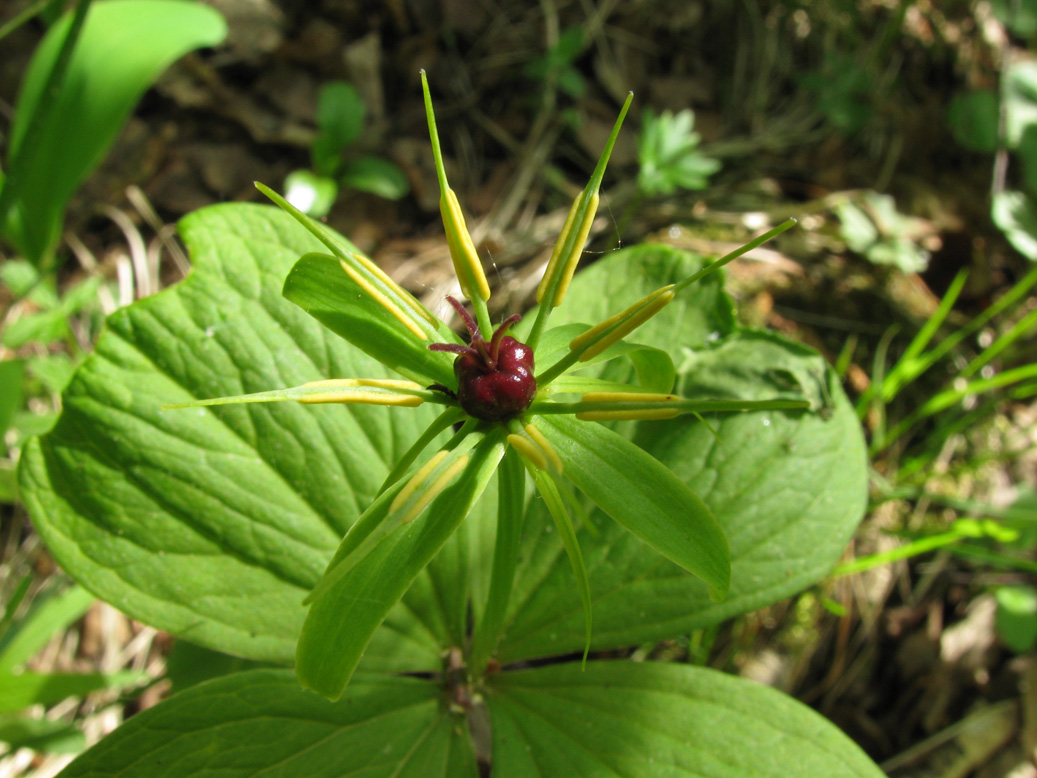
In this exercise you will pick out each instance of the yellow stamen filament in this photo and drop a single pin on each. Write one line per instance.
(629, 397)
(552, 264)
(467, 266)
(416, 480)
(641, 415)
(350, 395)
(545, 445)
(383, 301)
(617, 327)
(527, 449)
(577, 252)
(433, 489)
(403, 294)
(628, 414)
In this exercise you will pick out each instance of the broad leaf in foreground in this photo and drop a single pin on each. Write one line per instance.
(647, 720)
(213, 524)
(262, 723)
(787, 487)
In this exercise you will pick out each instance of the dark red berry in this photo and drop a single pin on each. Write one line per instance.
(494, 378)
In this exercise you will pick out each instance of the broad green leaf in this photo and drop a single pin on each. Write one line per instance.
(642, 496)
(213, 524)
(788, 489)
(646, 720)
(343, 618)
(262, 723)
(654, 367)
(123, 47)
(20, 690)
(318, 285)
(756, 365)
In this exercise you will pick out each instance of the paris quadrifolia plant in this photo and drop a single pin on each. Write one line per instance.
(415, 565)
(511, 401)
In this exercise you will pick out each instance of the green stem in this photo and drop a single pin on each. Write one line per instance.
(680, 405)
(510, 513)
(727, 258)
(21, 18)
(914, 548)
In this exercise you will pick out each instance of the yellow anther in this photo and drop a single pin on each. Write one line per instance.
(654, 414)
(615, 328)
(629, 397)
(431, 491)
(545, 445)
(382, 300)
(349, 393)
(625, 414)
(577, 250)
(467, 266)
(552, 264)
(416, 480)
(403, 294)
(529, 450)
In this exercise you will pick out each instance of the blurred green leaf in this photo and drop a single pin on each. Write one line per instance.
(340, 120)
(376, 176)
(21, 690)
(668, 154)
(123, 47)
(1019, 92)
(48, 617)
(974, 119)
(189, 664)
(1020, 16)
(557, 64)
(54, 371)
(50, 325)
(1013, 213)
(42, 735)
(12, 372)
(1017, 617)
(311, 193)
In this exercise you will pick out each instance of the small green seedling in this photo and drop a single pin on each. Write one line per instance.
(877, 231)
(668, 154)
(340, 122)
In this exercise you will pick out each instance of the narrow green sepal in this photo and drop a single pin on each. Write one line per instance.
(342, 620)
(642, 495)
(548, 490)
(318, 284)
(346, 390)
(569, 248)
